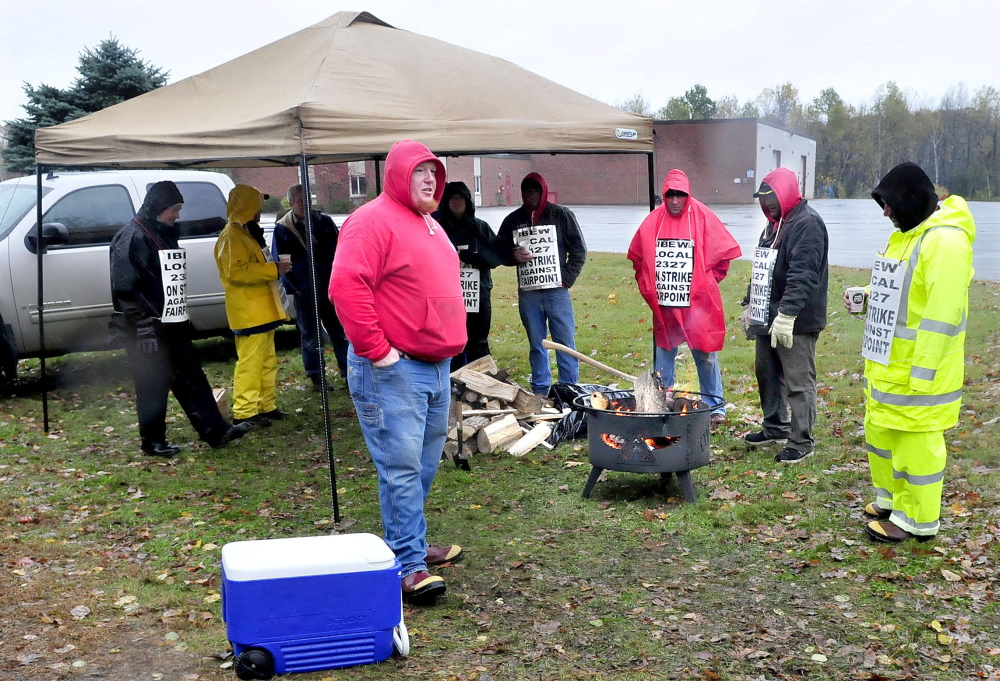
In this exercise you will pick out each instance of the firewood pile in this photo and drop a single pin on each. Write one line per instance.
(492, 413)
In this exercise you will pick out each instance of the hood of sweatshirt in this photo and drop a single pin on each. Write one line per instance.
(402, 160)
(909, 193)
(536, 179)
(786, 186)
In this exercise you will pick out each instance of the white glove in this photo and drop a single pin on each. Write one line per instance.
(781, 330)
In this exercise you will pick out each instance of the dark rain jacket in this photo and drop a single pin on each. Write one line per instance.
(290, 238)
(136, 280)
(572, 247)
(472, 238)
(801, 267)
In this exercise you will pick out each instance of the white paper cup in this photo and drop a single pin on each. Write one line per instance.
(284, 257)
(857, 298)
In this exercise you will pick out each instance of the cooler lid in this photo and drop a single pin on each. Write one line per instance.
(305, 556)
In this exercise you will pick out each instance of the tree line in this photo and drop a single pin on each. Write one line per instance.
(954, 139)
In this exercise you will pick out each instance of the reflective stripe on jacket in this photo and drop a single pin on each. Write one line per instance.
(921, 388)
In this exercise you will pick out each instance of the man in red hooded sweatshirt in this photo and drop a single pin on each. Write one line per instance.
(395, 285)
(680, 253)
(786, 310)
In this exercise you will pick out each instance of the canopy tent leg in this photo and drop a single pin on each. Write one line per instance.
(307, 208)
(39, 252)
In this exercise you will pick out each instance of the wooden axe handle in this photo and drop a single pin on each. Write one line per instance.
(549, 345)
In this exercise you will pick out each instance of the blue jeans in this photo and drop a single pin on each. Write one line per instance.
(305, 320)
(552, 305)
(709, 374)
(403, 411)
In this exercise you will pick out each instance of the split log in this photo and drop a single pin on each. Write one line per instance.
(493, 404)
(487, 412)
(530, 440)
(498, 434)
(528, 402)
(489, 386)
(486, 365)
(471, 397)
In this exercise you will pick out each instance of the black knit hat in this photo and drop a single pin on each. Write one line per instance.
(159, 197)
(909, 193)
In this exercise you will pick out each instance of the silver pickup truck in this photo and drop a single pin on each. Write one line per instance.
(81, 212)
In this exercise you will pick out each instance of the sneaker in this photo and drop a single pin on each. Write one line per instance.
(160, 448)
(258, 420)
(890, 534)
(438, 555)
(716, 421)
(760, 438)
(274, 415)
(791, 455)
(873, 510)
(422, 588)
(234, 432)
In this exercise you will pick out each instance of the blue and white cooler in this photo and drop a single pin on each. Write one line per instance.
(311, 603)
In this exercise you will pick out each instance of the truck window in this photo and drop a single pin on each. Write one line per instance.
(92, 215)
(15, 202)
(204, 211)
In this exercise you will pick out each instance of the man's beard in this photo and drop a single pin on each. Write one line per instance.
(427, 205)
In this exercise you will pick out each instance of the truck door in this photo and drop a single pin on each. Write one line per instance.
(77, 283)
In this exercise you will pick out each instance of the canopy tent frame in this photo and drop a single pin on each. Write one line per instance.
(101, 140)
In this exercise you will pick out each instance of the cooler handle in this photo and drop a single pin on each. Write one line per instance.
(401, 639)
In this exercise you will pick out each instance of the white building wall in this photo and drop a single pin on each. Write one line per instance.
(792, 147)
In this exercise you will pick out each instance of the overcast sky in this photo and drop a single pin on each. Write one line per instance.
(608, 50)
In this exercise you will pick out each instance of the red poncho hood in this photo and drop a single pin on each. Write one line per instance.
(702, 325)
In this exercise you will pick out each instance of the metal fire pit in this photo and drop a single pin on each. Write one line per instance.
(620, 439)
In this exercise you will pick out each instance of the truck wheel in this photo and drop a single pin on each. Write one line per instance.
(254, 663)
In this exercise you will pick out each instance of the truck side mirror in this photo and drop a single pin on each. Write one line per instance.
(53, 234)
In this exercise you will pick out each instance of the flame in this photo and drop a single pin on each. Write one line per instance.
(613, 441)
(660, 442)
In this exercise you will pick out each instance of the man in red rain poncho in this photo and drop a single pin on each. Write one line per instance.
(680, 254)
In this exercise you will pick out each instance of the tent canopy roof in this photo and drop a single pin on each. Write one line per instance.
(344, 89)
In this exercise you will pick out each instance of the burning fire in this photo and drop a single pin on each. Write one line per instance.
(613, 441)
(660, 442)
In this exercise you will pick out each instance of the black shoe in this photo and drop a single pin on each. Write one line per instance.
(274, 414)
(760, 438)
(257, 420)
(790, 455)
(234, 432)
(160, 448)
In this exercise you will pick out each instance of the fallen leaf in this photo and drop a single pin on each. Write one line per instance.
(950, 576)
(818, 657)
(79, 612)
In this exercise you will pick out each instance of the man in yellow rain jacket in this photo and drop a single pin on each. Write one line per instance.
(914, 351)
(253, 306)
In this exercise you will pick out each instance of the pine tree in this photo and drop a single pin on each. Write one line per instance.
(109, 74)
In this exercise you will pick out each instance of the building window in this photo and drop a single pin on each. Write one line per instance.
(359, 183)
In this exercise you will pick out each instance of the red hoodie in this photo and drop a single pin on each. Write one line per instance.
(702, 325)
(395, 280)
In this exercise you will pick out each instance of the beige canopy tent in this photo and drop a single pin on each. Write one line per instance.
(346, 88)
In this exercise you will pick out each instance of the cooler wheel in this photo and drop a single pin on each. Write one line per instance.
(401, 639)
(254, 663)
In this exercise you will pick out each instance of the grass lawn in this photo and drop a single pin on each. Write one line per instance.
(109, 560)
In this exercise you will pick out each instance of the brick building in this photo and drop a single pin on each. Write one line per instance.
(725, 160)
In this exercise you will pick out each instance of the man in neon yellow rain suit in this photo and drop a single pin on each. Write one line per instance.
(914, 351)
(253, 306)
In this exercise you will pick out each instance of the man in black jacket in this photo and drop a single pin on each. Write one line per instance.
(786, 311)
(148, 290)
(290, 239)
(477, 250)
(544, 241)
